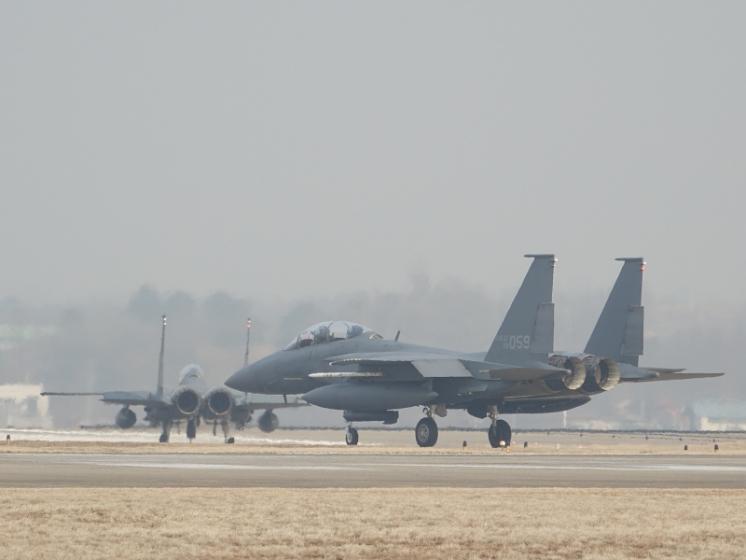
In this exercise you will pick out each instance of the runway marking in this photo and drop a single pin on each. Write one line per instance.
(376, 466)
(703, 468)
(140, 436)
(220, 466)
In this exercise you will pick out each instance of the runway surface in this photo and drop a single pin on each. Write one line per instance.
(370, 471)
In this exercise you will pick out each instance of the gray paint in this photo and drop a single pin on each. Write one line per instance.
(622, 317)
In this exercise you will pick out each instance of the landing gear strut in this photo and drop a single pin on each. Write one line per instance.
(499, 432)
(166, 433)
(426, 431)
(227, 432)
(351, 436)
(191, 429)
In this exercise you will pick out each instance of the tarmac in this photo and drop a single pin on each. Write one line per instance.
(342, 470)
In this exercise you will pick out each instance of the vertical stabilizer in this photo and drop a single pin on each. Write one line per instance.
(159, 387)
(527, 332)
(619, 331)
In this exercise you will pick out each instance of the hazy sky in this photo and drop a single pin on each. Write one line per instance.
(289, 149)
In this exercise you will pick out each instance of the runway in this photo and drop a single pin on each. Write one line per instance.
(370, 471)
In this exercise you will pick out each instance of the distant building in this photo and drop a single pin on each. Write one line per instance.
(22, 406)
(713, 415)
(12, 335)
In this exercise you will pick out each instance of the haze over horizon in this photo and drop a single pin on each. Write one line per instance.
(388, 163)
(289, 151)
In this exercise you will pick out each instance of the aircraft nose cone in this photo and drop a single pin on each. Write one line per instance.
(249, 379)
(238, 380)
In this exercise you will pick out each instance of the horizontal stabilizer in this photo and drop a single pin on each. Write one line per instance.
(664, 370)
(687, 375)
(664, 374)
(143, 398)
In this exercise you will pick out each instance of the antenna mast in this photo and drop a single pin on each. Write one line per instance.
(159, 388)
(248, 339)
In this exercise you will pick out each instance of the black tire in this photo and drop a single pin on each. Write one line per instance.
(500, 433)
(163, 438)
(506, 434)
(426, 432)
(351, 436)
(492, 436)
(230, 440)
(191, 431)
(268, 422)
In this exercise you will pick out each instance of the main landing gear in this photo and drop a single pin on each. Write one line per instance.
(351, 436)
(426, 431)
(226, 426)
(191, 429)
(166, 433)
(499, 432)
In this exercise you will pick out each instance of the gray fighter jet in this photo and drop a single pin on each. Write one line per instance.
(190, 402)
(345, 366)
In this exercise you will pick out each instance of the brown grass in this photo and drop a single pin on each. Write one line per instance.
(553, 524)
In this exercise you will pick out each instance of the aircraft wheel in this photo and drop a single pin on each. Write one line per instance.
(426, 432)
(493, 436)
(268, 422)
(500, 434)
(163, 438)
(351, 436)
(191, 431)
(230, 440)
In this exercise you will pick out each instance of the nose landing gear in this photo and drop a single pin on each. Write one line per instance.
(426, 431)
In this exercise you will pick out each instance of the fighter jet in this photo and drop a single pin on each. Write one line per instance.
(346, 366)
(191, 401)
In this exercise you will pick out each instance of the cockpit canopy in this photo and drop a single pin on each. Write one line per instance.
(330, 331)
(191, 372)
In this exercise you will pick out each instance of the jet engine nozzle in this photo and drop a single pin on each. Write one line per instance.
(125, 418)
(218, 402)
(186, 401)
(573, 379)
(603, 374)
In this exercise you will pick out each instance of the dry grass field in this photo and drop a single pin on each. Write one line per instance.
(372, 524)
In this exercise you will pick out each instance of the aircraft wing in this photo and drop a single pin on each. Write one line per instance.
(132, 398)
(432, 365)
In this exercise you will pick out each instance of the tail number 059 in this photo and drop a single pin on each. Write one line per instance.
(517, 342)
